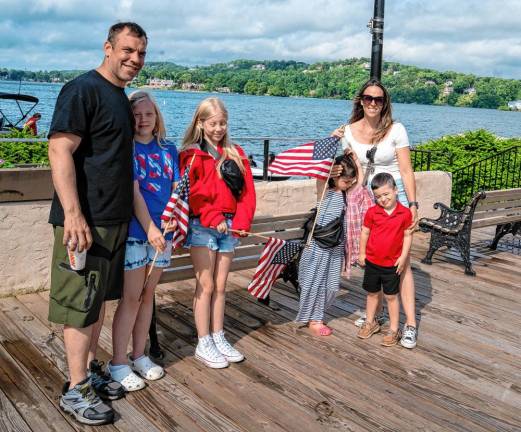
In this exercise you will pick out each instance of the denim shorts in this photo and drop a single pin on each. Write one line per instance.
(139, 253)
(209, 237)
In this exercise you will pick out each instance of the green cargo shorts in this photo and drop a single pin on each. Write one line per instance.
(77, 296)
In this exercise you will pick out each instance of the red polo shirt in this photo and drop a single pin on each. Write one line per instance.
(385, 242)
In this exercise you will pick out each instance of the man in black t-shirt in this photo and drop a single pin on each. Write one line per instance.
(90, 152)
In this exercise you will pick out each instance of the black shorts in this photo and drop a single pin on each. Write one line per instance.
(377, 277)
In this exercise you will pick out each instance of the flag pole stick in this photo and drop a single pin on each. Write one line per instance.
(249, 233)
(164, 232)
(310, 235)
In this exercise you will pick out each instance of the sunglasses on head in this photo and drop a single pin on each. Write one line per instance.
(367, 99)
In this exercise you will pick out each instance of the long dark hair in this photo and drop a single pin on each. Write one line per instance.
(386, 115)
(349, 169)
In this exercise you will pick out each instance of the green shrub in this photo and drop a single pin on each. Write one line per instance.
(19, 152)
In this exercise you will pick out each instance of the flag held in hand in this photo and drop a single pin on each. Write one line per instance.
(313, 159)
(276, 255)
(177, 208)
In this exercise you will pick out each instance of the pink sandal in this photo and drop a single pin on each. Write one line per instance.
(324, 330)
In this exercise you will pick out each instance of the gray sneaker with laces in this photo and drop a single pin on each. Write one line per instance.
(409, 336)
(226, 349)
(380, 319)
(84, 405)
(207, 353)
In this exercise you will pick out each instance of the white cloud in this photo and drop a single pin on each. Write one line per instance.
(475, 36)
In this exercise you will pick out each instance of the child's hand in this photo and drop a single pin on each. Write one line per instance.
(156, 239)
(170, 225)
(361, 260)
(400, 264)
(222, 227)
(338, 132)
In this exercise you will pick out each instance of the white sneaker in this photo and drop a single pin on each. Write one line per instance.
(147, 368)
(409, 336)
(124, 375)
(207, 353)
(224, 347)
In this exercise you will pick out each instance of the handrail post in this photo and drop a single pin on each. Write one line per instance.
(266, 160)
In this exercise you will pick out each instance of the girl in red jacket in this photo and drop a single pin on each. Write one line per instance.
(215, 207)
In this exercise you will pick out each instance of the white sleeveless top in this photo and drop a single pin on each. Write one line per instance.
(385, 157)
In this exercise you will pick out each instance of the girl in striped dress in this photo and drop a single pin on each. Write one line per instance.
(319, 268)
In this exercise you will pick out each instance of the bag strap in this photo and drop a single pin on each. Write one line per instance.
(209, 149)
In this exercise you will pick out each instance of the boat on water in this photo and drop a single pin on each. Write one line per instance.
(24, 103)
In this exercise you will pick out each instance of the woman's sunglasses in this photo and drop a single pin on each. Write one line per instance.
(378, 100)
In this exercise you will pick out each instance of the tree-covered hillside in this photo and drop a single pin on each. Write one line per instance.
(340, 79)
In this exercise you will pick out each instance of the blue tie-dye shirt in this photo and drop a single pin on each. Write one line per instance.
(155, 168)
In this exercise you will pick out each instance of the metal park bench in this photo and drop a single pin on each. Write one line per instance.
(246, 257)
(452, 228)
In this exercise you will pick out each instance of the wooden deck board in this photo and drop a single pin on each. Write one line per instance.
(464, 374)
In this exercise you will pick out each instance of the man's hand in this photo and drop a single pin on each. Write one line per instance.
(76, 233)
(156, 239)
(361, 260)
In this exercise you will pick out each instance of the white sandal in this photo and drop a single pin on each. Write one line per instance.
(128, 379)
(147, 368)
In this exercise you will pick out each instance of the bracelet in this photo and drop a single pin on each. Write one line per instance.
(414, 203)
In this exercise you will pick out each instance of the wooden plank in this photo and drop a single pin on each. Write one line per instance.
(503, 193)
(188, 413)
(500, 203)
(10, 419)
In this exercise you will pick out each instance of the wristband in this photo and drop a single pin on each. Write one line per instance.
(414, 203)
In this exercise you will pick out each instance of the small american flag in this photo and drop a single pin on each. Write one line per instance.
(177, 207)
(313, 159)
(276, 255)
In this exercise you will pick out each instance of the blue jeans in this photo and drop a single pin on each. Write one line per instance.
(201, 236)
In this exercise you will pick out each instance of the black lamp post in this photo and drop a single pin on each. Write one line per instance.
(376, 27)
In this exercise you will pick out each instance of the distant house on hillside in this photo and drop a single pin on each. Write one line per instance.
(223, 89)
(515, 105)
(160, 83)
(448, 89)
(259, 66)
(430, 82)
(470, 91)
(192, 86)
(366, 66)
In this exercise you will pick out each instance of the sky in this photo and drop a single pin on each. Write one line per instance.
(482, 37)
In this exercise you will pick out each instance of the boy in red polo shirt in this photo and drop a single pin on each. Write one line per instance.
(384, 245)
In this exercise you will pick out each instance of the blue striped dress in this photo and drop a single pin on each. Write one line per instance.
(319, 269)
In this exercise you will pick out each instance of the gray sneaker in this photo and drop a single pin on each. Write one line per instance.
(409, 336)
(380, 319)
(84, 405)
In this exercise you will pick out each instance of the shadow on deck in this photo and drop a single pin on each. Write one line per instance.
(464, 374)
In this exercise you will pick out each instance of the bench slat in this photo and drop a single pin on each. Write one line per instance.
(498, 203)
(508, 193)
(496, 221)
(493, 214)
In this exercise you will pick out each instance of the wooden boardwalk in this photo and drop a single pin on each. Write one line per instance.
(465, 374)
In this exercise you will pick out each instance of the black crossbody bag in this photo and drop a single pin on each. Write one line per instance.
(329, 235)
(230, 171)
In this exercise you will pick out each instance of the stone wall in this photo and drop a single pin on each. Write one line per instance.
(26, 237)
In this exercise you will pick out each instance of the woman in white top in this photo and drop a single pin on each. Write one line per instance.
(383, 146)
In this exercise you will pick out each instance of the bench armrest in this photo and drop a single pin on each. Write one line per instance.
(446, 211)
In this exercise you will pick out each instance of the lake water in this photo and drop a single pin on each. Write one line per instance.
(267, 116)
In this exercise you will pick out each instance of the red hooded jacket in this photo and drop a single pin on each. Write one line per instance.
(210, 197)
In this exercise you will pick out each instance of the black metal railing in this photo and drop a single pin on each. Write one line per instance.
(262, 147)
(500, 171)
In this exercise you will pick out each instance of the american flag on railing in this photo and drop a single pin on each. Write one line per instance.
(276, 255)
(177, 208)
(313, 159)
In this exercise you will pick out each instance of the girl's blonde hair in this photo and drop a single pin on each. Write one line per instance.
(386, 114)
(194, 133)
(159, 128)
